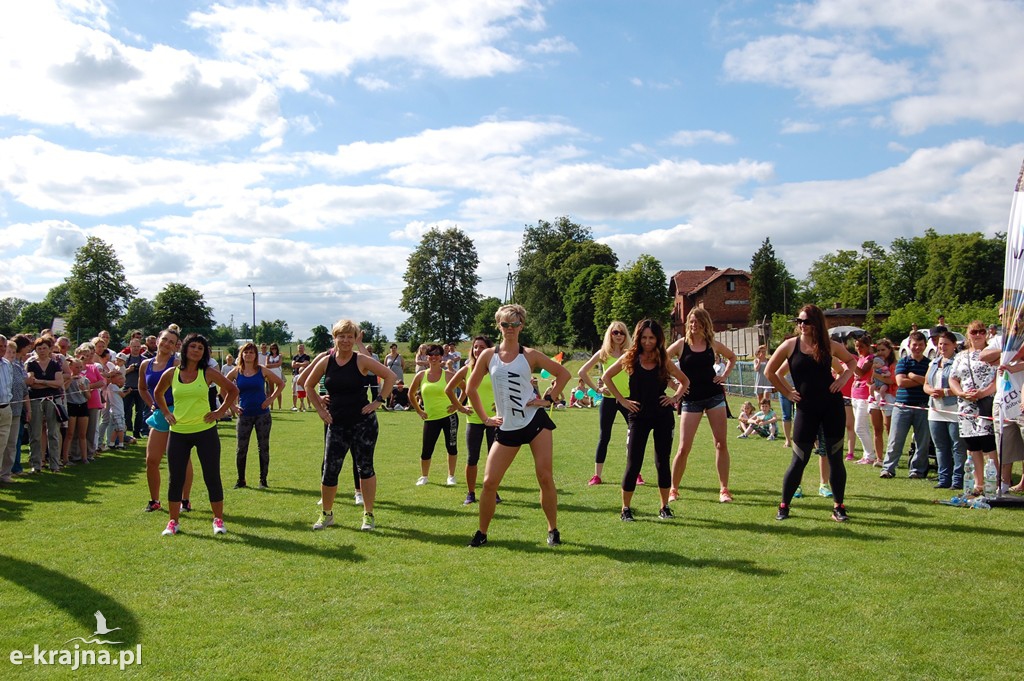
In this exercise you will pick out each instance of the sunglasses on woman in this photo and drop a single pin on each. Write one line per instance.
(511, 325)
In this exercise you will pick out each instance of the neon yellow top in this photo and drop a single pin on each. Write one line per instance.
(621, 381)
(435, 400)
(191, 404)
(486, 391)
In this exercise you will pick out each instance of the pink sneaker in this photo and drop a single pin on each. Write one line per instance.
(673, 494)
(594, 481)
(172, 528)
(725, 497)
(865, 461)
(218, 526)
(850, 456)
(640, 479)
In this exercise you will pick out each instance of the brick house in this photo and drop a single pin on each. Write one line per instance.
(725, 294)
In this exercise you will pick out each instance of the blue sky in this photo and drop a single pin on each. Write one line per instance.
(305, 147)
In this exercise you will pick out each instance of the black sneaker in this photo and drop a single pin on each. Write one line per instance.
(839, 514)
(554, 539)
(240, 484)
(627, 515)
(478, 540)
(153, 505)
(783, 513)
(186, 505)
(264, 485)
(665, 513)
(497, 498)
(470, 499)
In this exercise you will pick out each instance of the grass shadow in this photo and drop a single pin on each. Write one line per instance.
(257, 541)
(76, 598)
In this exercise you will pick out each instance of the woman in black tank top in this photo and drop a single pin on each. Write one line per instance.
(819, 404)
(697, 351)
(649, 409)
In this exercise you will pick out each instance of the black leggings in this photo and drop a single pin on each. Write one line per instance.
(361, 438)
(243, 431)
(179, 450)
(474, 438)
(609, 407)
(663, 427)
(355, 471)
(432, 429)
(805, 434)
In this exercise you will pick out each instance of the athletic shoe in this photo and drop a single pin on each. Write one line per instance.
(367, 522)
(295, 409)
(850, 456)
(554, 538)
(725, 497)
(673, 494)
(218, 526)
(264, 485)
(839, 514)
(130, 440)
(451, 481)
(665, 513)
(916, 476)
(470, 499)
(478, 540)
(421, 481)
(640, 479)
(497, 498)
(799, 493)
(783, 512)
(596, 480)
(186, 505)
(152, 506)
(240, 484)
(741, 437)
(825, 491)
(886, 475)
(865, 461)
(627, 515)
(172, 528)
(358, 499)
(325, 520)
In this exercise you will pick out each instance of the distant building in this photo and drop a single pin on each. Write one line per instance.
(725, 294)
(838, 315)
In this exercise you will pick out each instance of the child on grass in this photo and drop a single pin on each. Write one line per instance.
(744, 425)
(764, 422)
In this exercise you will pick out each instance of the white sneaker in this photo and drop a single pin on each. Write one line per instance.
(325, 520)
(295, 409)
(422, 480)
(359, 498)
(368, 523)
(172, 528)
(451, 481)
(218, 526)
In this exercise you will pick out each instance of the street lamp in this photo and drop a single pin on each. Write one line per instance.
(253, 312)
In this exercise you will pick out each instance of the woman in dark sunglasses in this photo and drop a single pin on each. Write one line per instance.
(616, 340)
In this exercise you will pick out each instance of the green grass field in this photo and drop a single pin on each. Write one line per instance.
(906, 590)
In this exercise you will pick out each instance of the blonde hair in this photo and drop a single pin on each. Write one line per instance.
(705, 327)
(343, 326)
(608, 344)
(747, 406)
(506, 312)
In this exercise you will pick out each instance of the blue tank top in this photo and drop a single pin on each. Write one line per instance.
(251, 394)
(153, 378)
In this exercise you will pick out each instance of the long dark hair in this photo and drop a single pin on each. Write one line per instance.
(472, 358)
(822, 343)
(195, 338)
(631, 358)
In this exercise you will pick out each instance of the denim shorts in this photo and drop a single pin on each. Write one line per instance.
(701, 406)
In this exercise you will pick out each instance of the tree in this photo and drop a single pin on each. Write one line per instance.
(97, 288)
(768, 278)
(10, 308)
(907, 263)
(138, 315)
(319, 339)
(579, 306)
(273, 332)
(827, 279)
(245, 331)
(35, 317)
(182, 305)
(602, 299)
(550, 257)
(406, 332)
(440, 284)
(59, 298)
(962, 268)
(641, 291)
(373, 336)
(222, 334)
(483, 323)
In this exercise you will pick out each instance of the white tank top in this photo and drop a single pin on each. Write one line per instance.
(512, 390)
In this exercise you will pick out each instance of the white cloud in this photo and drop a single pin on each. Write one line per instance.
(688, 138)
(60, 68)
(556, 45)
(373, 84)
(798, 127)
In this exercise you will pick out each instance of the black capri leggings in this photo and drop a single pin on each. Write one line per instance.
(609, 407)
(179, 450)
(474, 438)
(830, 419)
(323, 462)
(360, 437)
(663, 427)
(432, 429)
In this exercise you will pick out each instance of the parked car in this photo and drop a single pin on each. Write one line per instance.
(929, 349)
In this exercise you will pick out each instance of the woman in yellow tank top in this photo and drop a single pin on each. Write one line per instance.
(616, 340)
(476, 429)
(437, 412)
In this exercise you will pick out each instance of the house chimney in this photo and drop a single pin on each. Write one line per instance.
(710, 268)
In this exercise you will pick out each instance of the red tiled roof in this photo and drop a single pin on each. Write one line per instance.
(688, 282)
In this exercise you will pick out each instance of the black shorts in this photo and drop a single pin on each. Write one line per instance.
(524, 436)
(973, 443)
(78, 410)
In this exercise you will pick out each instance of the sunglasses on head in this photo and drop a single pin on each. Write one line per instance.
(511, 325)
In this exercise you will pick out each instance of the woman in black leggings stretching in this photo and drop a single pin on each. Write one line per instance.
(819, 404)
(650, 409)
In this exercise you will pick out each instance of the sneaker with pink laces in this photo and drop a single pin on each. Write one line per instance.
(673, 494)
(218, 526)
(172, 528)
(865, 461)
(724, 497)
(596, 480)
